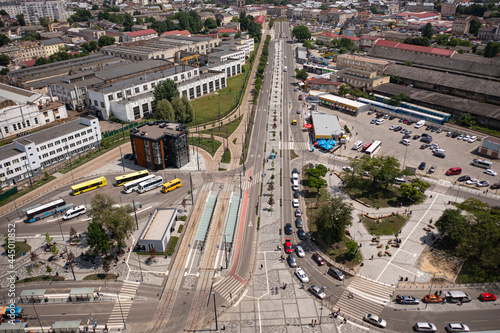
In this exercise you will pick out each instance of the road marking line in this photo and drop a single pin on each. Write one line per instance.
(415, 227)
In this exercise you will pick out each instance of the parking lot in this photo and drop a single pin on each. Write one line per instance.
(458, 153)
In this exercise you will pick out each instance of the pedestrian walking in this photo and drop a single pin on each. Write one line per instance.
(345, 320)
(261, 266)
(302, 285)
(276, 290)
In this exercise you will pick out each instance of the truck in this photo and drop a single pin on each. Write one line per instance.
(11, 312)
(284, 69)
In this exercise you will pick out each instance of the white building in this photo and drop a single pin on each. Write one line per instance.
(135, 36)
(29, 155)
(23, 110)
(33, 10)
(158, 230)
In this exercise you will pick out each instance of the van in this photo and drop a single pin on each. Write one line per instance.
(456, 296)
(74, 212)
(406, 142)
(439, 150)
(294, 122)
(295, 185)
(453, 171)
(420, 123)
(295, 177)
(357, 145)
(481, 163)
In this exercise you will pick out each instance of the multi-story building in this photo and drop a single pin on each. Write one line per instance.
(135, 36)
(277, 11)
(91, 34)
(488, 33)
(28, 156)
(160, 145)
(361, 79)
(362, 63)
(33, 10)
(22, 110)
(461, 26)
(31, 50)
(366, 42)
(448, 9)
(326, 37)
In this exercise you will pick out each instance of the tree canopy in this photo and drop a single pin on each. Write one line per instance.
(475, 24)
(301, 32)
(301, 74)
(4, 60)
(210, 23)
(4, 40)
(332, 218)
(428, 31)
(164, 111)
(167, 90)
(105, 41)
(381, 170)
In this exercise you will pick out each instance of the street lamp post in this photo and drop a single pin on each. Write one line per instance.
(135, 213)
(121, 310)
(36, 314)
(140, 267)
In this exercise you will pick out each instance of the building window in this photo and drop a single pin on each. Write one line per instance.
(45, 155)
(198, 90)
(18, 169)
(223, 82)
(217, 85)
(72, 145)
(6, 129)
(96, 103)
(136, 90)
(137, 112)
(191, 93)
(145, 107)
(110, 97)
(102, 105)
(153, 84)
(64, 140)
(129, 92)
(52, 152)
(59, 150)
(79, 142)
(23, 158)
(211, 86)
(14, 127)
(14, 161)
(119, 94)
(145, 87)
(205, 89)
(36, 120)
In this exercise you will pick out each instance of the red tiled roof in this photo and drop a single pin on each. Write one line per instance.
(260, 19)
(415, 48)
(328, 34)
(141, 32)
(354, 39)
(423, 15)
(227, 30)
(177, 32)
(29, 63)
(370, 37)
(323, 81)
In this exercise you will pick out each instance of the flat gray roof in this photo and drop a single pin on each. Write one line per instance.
(155, 132)
(326, 124)
(158, 223)
(130, 68)
(8, 151)
(33, 292)
(56, 131)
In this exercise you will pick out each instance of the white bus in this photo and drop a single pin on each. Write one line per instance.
(133, 185)
(481, 163)
(151, 184)
(374, 148)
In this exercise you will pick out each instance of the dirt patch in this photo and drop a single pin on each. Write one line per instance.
(443, 265)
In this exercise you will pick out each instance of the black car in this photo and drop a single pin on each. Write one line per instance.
(288, 229)
(391, 117)
(406, 136)
(454, 135)
(428, 128)
(301, 234)
(401, 120)
(128, 156)
(424, 146)
(422, 166)
(463, 178)
(296, 194)
(295, 170)
(410, 122)
(416, 137)
(434, 129)
(495, 186)
(440, 155)
(298, 223)
(398, 128)
(425, 135)
(425, 140)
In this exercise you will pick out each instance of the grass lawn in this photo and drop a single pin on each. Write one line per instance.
(171, 245)
(226, 157)
(205, 143)
(338, 252)
(293, 154)
(387, 226)
(20, 248)
(41, 278)
(206, 108)
(225, 130)
(100, 277)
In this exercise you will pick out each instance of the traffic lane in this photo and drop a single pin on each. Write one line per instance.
(142, 312)
(51, 312)
(402, 321)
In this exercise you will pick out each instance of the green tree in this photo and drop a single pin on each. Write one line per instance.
(347, 44)
(428, 31)
(307, 44)
(420, 185)
(343, 90)
(467, 120)
(164, 111)
(20, 20)
(43, 22)
(105, 41)
(4, 71)
(97, 238)
(121, 225)
(475, 24)
(323, 7)
(454, 224)
(3, 12)
(101, 205)
(179, 109)
(48, 239)
(374, 9)
(189, 110)
(317, 183)
(167, 90)
(301, 74)
(332, 219)
(4, 40)
(210, 23)
(48, 269)
(4, 60)
(106, 266)
(352, 248)
(95, 7)
(442, 39)
(382, 170)
(301, 32)
(128, 22)
(407, 191)
(86, 47)
(491, 49)
(93, 46)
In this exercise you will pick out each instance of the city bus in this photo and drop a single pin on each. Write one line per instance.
(374, 148)
(120, 180)
(151, 184)
(88, 185)
(171, 185)
(43, 211)
(133, 185)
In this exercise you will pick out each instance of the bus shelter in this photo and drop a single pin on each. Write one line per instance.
(72, 326)
(13, 328)
(81, 294)
(32, 296)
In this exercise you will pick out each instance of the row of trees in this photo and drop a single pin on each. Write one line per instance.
(261, 69)
(169, 106)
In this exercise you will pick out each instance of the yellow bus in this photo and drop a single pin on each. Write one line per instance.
(171, 185)
(120, 180)
(89, 185)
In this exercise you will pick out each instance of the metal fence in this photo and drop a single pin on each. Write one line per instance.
(8, 193)
(108, 134)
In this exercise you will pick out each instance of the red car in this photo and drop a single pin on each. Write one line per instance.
(288, 246)
(485, 297)
(319, 259)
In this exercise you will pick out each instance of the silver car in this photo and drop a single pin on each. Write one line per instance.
(317, 291)
(375, 320)
(300, 251)
(457, 327)
(425, 327)
(292, 261)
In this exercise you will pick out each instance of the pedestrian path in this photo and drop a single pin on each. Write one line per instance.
(380, 291)
(228, 288)
(357, 307)
(247, 183)
(123, 304)
(290, 145)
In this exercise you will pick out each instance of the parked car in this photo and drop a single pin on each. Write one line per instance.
(490, 172)
(300, 251)
(425, 327)
(374, 120)
(426, 140)
(319, 259)
(439, 154)
(448, 133)
(495, 186)
(380, 121)
(466, 138)
(317, 291)
(457, 327)
(298, 223)
(406, 136)
(375, 320)
(454, 135)
(391, 117)
(295, 203)
(416, 137)
(292, 261)
(472, 181)
(347, 168)
(483, 183)
(405, 142)
(288, 245)
(463, 178)
(422, 166)
(473, 139)
(298, 213)
(301, 234)
(487, 297)
(432, 169)
(460, 137)
(432, 299)
(288, 229)
(428, 128)
(301, 275)
(423, 146)
(386, 116)
(407, 300)
(128, 156)
(439, 130)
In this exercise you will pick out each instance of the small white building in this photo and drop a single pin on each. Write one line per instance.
(158, 230)
(135, 36)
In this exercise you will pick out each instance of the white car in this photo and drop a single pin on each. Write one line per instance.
(301, 275)
(425, 327)
(471, 181)
(399, 180)
(466, 138)
(457, 327)
(375, 320)
(300, 251)
(295, 203)
(392, 127)
(405, 142)
(380, 121)
(472, 139)
(483, 183)
(490, 172)
(460, 137)
(347, 168)
(298, 213)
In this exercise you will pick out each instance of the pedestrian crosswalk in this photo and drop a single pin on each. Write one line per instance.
(228, 288)
(248, 183)
(123, 304)
(367, 297)
(290, 145)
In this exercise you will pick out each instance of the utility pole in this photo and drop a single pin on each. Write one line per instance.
(36, 314)
(135, 213)
(191, 184)
(123, 161)
(140, 267)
